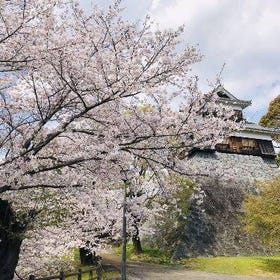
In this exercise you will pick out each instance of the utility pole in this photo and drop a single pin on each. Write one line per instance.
(124, 234)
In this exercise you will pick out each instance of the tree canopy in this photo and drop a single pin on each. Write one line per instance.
(272, 117)
(83, 95)
(72, 86)
(262, 216)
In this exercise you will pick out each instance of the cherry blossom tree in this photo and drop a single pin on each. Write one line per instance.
(63, 220)
(91, 218)
(85, 83)
(84, 95)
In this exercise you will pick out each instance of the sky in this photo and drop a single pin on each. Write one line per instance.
(242, 34)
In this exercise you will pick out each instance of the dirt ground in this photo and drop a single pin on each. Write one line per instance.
(144, 271)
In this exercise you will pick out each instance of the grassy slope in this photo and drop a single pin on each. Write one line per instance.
(149, 255)
(249, 266)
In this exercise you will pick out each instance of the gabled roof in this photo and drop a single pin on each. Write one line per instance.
(226, 97)
(249, 126)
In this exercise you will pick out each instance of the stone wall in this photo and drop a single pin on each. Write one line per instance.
(232, 170)
(214, 228)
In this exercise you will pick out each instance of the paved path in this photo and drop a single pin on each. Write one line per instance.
(144, 271)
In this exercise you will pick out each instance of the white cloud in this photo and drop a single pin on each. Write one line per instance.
(155, 4)
(242, 33)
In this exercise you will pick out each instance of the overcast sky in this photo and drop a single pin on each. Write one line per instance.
(244, 34)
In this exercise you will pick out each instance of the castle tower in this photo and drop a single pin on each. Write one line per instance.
(235, 165)
(243, 158)
(252, 139)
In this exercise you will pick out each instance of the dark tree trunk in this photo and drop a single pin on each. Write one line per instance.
(85, 256)
(10, 231)
(137, 244)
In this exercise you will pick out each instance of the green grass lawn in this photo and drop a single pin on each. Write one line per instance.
(149, 255)
(247, 266)
(251, 266)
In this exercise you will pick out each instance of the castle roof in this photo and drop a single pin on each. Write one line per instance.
(252, 130)
(226, 97)
(253, 127)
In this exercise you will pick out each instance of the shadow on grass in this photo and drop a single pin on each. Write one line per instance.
(271, 265)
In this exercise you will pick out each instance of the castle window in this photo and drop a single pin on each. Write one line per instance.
(248, 145)
(222, 95)
(266, 147)
(248, 142)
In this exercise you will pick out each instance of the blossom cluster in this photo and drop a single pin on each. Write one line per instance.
(84, 99)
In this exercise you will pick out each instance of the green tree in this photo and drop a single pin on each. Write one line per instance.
(272, 119)
(262, 210)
